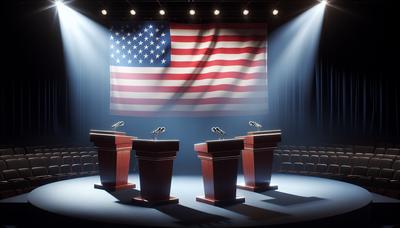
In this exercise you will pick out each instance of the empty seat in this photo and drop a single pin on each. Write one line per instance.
(305, 158)
(345, 170)
(53, 170)
(285, 167)
(3, 165)
(380, 150)
(363, 149)
(87, 159)
(333, 169)
(343, 160)
(76, 159)
(374, 162)
(385, 163)
(339, 153)
(55, 160)
(330, 153)
(309, 168)
(89, 168)
(360, 161)
(384, 178)
(92, 152)
(64, 153)
(6, 151)
(396, 165)
(312, 152)
(285, 158)
(74, 153)
(359, 171)
(322, 168)
(297, 167)
(95, 158)
(332, 159)
(66, 160)
(323, 159)
(76, 168)
(295, 158)
(393, 151)
(314, 159)
(19, 150)
(38, 161)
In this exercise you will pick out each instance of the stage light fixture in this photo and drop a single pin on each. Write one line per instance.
(104, 12)
(192, 12)
(324, 2)
(275, 12)
(216, 12)
(246, 12)
(132, 12)
(162, 12)
(59, 4)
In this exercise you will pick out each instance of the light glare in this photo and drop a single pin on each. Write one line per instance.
(132, 12)
(104, 12)
(246, 12)
(216, 12)
(162, 12)
(275, 12)
(192, 12)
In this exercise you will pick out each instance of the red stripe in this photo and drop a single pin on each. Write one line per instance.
(199, 39)
(210, 51)
(213, 75)
(187, 113)
(201, 64)
(216, 100)
(258, 26)
(188, 89)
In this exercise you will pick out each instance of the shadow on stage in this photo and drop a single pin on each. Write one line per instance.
(285, 199)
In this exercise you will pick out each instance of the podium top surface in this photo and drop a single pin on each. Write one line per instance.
(155, 145)
(102, 138)
(264, 132)
(262, 138)
(211, 146)
(108, 132)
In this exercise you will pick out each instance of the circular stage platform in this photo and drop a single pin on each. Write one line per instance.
(299, 199)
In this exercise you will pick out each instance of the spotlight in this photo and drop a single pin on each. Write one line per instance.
(324, 2)
(162, 12)
(59, 4)
(246, 12)
(275, 12)
(216, 12)
(104, 12)
(132, 12)
(192, 12)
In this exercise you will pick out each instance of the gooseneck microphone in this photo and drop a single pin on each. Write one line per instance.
(156, 132)
(118, 124)
(255, 124)
(218, 131)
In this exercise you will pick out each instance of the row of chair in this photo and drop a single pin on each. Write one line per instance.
(73, 153)
(19, 175)
(33, 150)
(352, 149)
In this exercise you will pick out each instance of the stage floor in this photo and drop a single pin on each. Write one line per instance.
(298, 199)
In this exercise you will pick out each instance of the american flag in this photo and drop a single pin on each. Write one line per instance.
(157, 68)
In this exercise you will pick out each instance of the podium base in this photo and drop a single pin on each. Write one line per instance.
(146, 203)
(260, 188)
(116, 187)
(214, 202)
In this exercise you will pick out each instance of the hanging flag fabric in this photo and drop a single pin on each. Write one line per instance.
(162, 69)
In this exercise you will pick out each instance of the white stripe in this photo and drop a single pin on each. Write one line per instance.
(219, 44)
(194, 95)
(180, 83)
(218, 31)
(205, 107)
(249, 56)
(187, 70)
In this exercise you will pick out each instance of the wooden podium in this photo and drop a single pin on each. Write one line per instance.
(155, 159)
(257, 157)
(114, 150)
(219, 164)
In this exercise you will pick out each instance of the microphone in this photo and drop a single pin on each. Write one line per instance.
(117, 125)
(255, 124)
(218, 131)
(156, 132)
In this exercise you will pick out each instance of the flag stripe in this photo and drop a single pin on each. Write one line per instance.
(197, 107)
(212, 38)
(212, 57)
(165, 77)
(188, 70)
(235, 26)
(222, 44)
(178, 101)
(202, 64)
(194, 95)
(203, 82)
(187, 113)
(187, 89)
(211, 51)
(219, 31)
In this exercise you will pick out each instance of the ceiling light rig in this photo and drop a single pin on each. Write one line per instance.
(192, 12)
(132, 12)
(161, 12)
(104, 12)
(216, 12)
(246, 12)
(275, 12)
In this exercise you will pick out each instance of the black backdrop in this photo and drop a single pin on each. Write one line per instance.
(352, 99)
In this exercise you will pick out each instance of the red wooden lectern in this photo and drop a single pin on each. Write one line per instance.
(114, 150)
(257, 159)
(155, 159)
(219, 164)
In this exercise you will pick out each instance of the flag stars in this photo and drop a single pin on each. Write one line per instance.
(123, 38)
(146, 47)
(163, 61)
(151, 61)
(117, 42)
(129, 51)
(163, 42)
(135, 56)
(129, 61)
(123, 46)
(140, 61)
(111, 38)
(145, 56)
(162, 34)
(134, 46)
(129, 42)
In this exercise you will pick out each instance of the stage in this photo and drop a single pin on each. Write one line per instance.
(299, 199)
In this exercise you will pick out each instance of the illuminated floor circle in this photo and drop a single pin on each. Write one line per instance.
(298, 199)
